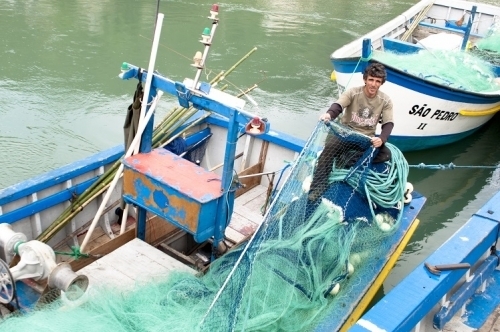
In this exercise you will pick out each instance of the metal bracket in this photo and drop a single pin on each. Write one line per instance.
(183, 94)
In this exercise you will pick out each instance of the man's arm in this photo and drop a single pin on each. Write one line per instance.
(332, 113)
(386, 131)
(384, 135)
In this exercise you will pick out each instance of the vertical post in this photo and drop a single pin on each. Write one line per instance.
(366, 51)
(227, 199)
(469, 27)
(367, 48)
(146, 144)
(147, 135)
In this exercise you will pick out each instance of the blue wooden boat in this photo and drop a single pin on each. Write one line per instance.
(190, 215)
(422, 49)
(464, 298)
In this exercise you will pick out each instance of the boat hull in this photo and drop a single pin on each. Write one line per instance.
(426, 115)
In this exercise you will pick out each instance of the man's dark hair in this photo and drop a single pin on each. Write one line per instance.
(375, 70)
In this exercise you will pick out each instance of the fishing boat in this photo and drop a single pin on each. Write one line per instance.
(456, 288)
(213, 229)
(442, 70)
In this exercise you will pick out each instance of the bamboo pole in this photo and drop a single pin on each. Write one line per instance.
(420, 16)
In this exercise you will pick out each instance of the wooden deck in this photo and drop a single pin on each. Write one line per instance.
(247, 214)
(134, 262)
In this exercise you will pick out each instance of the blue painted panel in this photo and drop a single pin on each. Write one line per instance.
(398, 46)
(491, 209)
(417, 294)
(414, 143)
(449, 27)
(28, 297)
(185, 96)
(465, 292)
(45, 203)
(482, 304)
(60, 175)
(198, 136)
(453, 26)
(175, 189)
(396, 76)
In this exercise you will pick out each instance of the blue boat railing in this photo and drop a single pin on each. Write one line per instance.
(419, 295)
(87, 167)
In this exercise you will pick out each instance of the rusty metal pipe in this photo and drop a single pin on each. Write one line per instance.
(436, 269)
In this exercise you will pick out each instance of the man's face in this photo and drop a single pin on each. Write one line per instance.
(372, 84)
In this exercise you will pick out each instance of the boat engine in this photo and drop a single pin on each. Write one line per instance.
(37, 263)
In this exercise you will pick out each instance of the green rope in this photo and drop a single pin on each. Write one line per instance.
(449, 166)
(75, 252)
(383, 189)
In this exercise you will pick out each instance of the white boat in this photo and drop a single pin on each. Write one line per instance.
(236, 219)
(443, 85)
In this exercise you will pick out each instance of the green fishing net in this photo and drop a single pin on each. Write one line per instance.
(456, 69)
(488, 48)
(324, 233)
(492, 40)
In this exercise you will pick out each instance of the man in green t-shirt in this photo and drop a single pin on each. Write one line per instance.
(362, 107)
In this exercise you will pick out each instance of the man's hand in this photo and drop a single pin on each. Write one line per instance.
(325, 117)
(376, 142)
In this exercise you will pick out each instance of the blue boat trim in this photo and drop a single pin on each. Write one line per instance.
(401, 78)
(417, 294)
(399, 46)
(60, 175)
(335, 317)
(45, 203)
(481, 305)
(465, 292)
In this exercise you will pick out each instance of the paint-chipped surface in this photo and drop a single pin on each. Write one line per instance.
(175, 189)
(178, 173)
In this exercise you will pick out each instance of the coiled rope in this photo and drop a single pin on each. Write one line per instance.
(384, 189)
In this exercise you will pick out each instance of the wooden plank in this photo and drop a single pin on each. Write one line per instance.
(254, 181)
(250, 182)
(256, 205)
(242, 225)
(252, 215)
(137, 266)
(158, 229)
(133, 263)
(100, 274)
(251, 195)
(159, 257)
(233, 235)
(104, 249)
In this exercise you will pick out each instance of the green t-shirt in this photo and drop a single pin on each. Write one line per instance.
(362, 113)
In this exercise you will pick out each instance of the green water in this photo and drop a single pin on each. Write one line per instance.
(61, 99)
